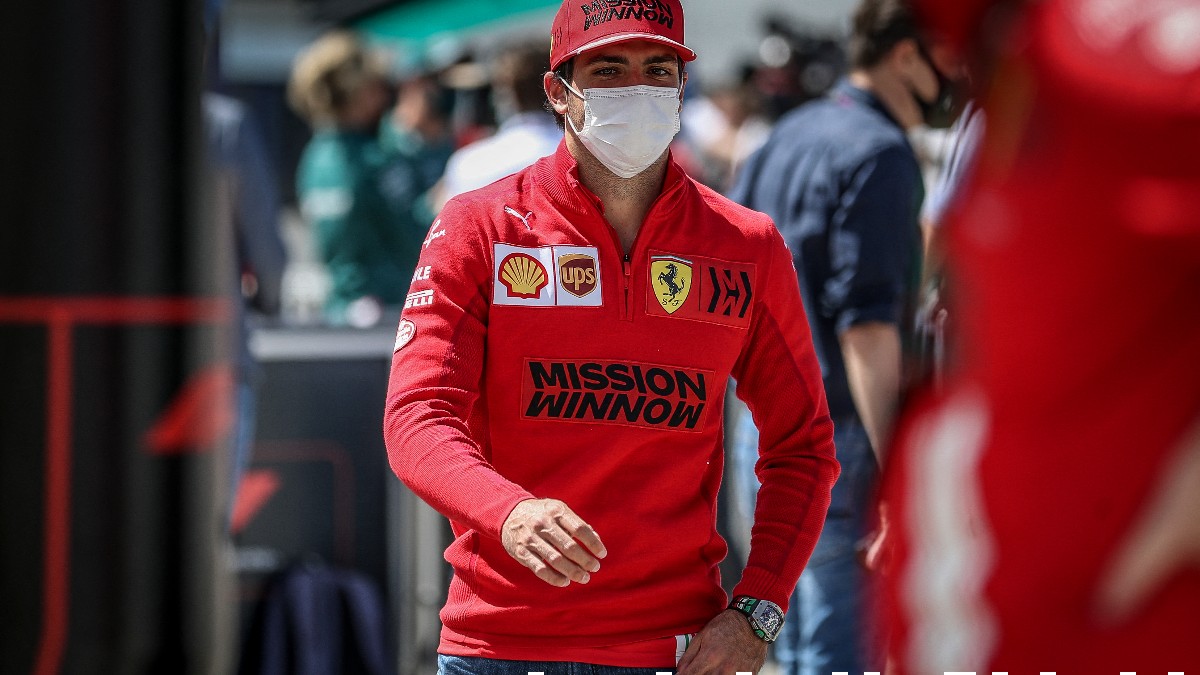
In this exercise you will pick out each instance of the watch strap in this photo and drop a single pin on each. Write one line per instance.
(765, 617)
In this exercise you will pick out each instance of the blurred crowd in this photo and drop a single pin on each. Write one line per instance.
(382, 150)
(1037, 250)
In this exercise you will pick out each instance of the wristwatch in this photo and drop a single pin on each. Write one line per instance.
(766, 618)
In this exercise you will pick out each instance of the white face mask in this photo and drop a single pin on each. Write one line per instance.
(627, 128)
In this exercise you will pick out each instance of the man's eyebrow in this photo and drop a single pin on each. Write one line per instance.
(623, 61)
(607, 58)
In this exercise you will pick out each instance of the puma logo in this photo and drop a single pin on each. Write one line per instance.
(523, 218)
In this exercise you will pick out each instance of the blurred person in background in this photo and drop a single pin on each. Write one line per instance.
(725, 126)
(843, 185)
(419, 128)
(933, 318)
(962, 145)
(580, 478)
(794, 66)
(246, 203)
(731, 121)
(527, 130)
(357, 198)
(1044, 507)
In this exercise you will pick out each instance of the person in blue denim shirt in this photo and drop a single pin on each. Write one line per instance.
(245, 204)
(843, 185)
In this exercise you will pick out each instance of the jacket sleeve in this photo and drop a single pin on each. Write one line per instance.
(779, 379)
(870, 274)
(436, 380)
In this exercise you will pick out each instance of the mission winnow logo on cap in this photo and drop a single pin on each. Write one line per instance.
(587, 24)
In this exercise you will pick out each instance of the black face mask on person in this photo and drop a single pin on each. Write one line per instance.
(949, 101)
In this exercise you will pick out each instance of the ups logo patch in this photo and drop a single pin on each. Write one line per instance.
(578, 274)
(701, 289)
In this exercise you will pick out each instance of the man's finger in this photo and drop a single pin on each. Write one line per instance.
(540, 567)
(689, 656)
(1166, 536)
(577, 528)
(1145, 560)
(577, 554)
(558, 561)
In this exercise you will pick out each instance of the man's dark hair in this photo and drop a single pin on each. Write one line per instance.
(878, 26)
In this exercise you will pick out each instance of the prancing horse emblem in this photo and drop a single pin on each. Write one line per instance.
(671, 278)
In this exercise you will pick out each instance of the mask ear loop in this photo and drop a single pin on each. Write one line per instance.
(571, 89)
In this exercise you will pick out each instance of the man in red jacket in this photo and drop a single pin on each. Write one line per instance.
(558, 381)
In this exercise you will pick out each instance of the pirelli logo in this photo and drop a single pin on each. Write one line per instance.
(616, 392)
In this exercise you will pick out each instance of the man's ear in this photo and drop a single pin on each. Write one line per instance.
(556, 93)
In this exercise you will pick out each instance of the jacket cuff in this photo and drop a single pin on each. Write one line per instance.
(761, 584)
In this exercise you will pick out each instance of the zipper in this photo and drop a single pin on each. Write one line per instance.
(628, 314)
(627, 258)
(626, 309)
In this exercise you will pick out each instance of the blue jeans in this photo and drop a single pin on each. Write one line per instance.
(826, 629)
(473, 665)
(243, 442)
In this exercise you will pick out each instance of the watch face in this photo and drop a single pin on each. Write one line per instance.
(769, 618)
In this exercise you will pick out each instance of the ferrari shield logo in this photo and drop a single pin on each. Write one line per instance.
(671, 279)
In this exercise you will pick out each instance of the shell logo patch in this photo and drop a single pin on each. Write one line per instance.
(578, 273)
(404, 334)
(523, 275)
(547, 276)
(671, 279)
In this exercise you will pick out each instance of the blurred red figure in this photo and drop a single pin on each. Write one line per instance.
(1045, 511)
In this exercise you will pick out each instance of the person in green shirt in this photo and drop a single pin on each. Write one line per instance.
(357, 197)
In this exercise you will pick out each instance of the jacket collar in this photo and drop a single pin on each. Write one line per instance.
(846, 93)
(558, 174)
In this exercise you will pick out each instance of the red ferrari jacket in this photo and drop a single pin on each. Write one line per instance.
(535, 358)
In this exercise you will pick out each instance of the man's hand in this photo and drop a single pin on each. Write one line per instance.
(725, 646)
(875, 550)
(545, 536)
(1165, 539)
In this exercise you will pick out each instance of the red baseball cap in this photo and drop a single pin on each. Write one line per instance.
(581, 25)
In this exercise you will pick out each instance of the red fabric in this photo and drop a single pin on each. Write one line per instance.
(954, 22)
(586, 24)
(467, 424)
(1077, 267)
